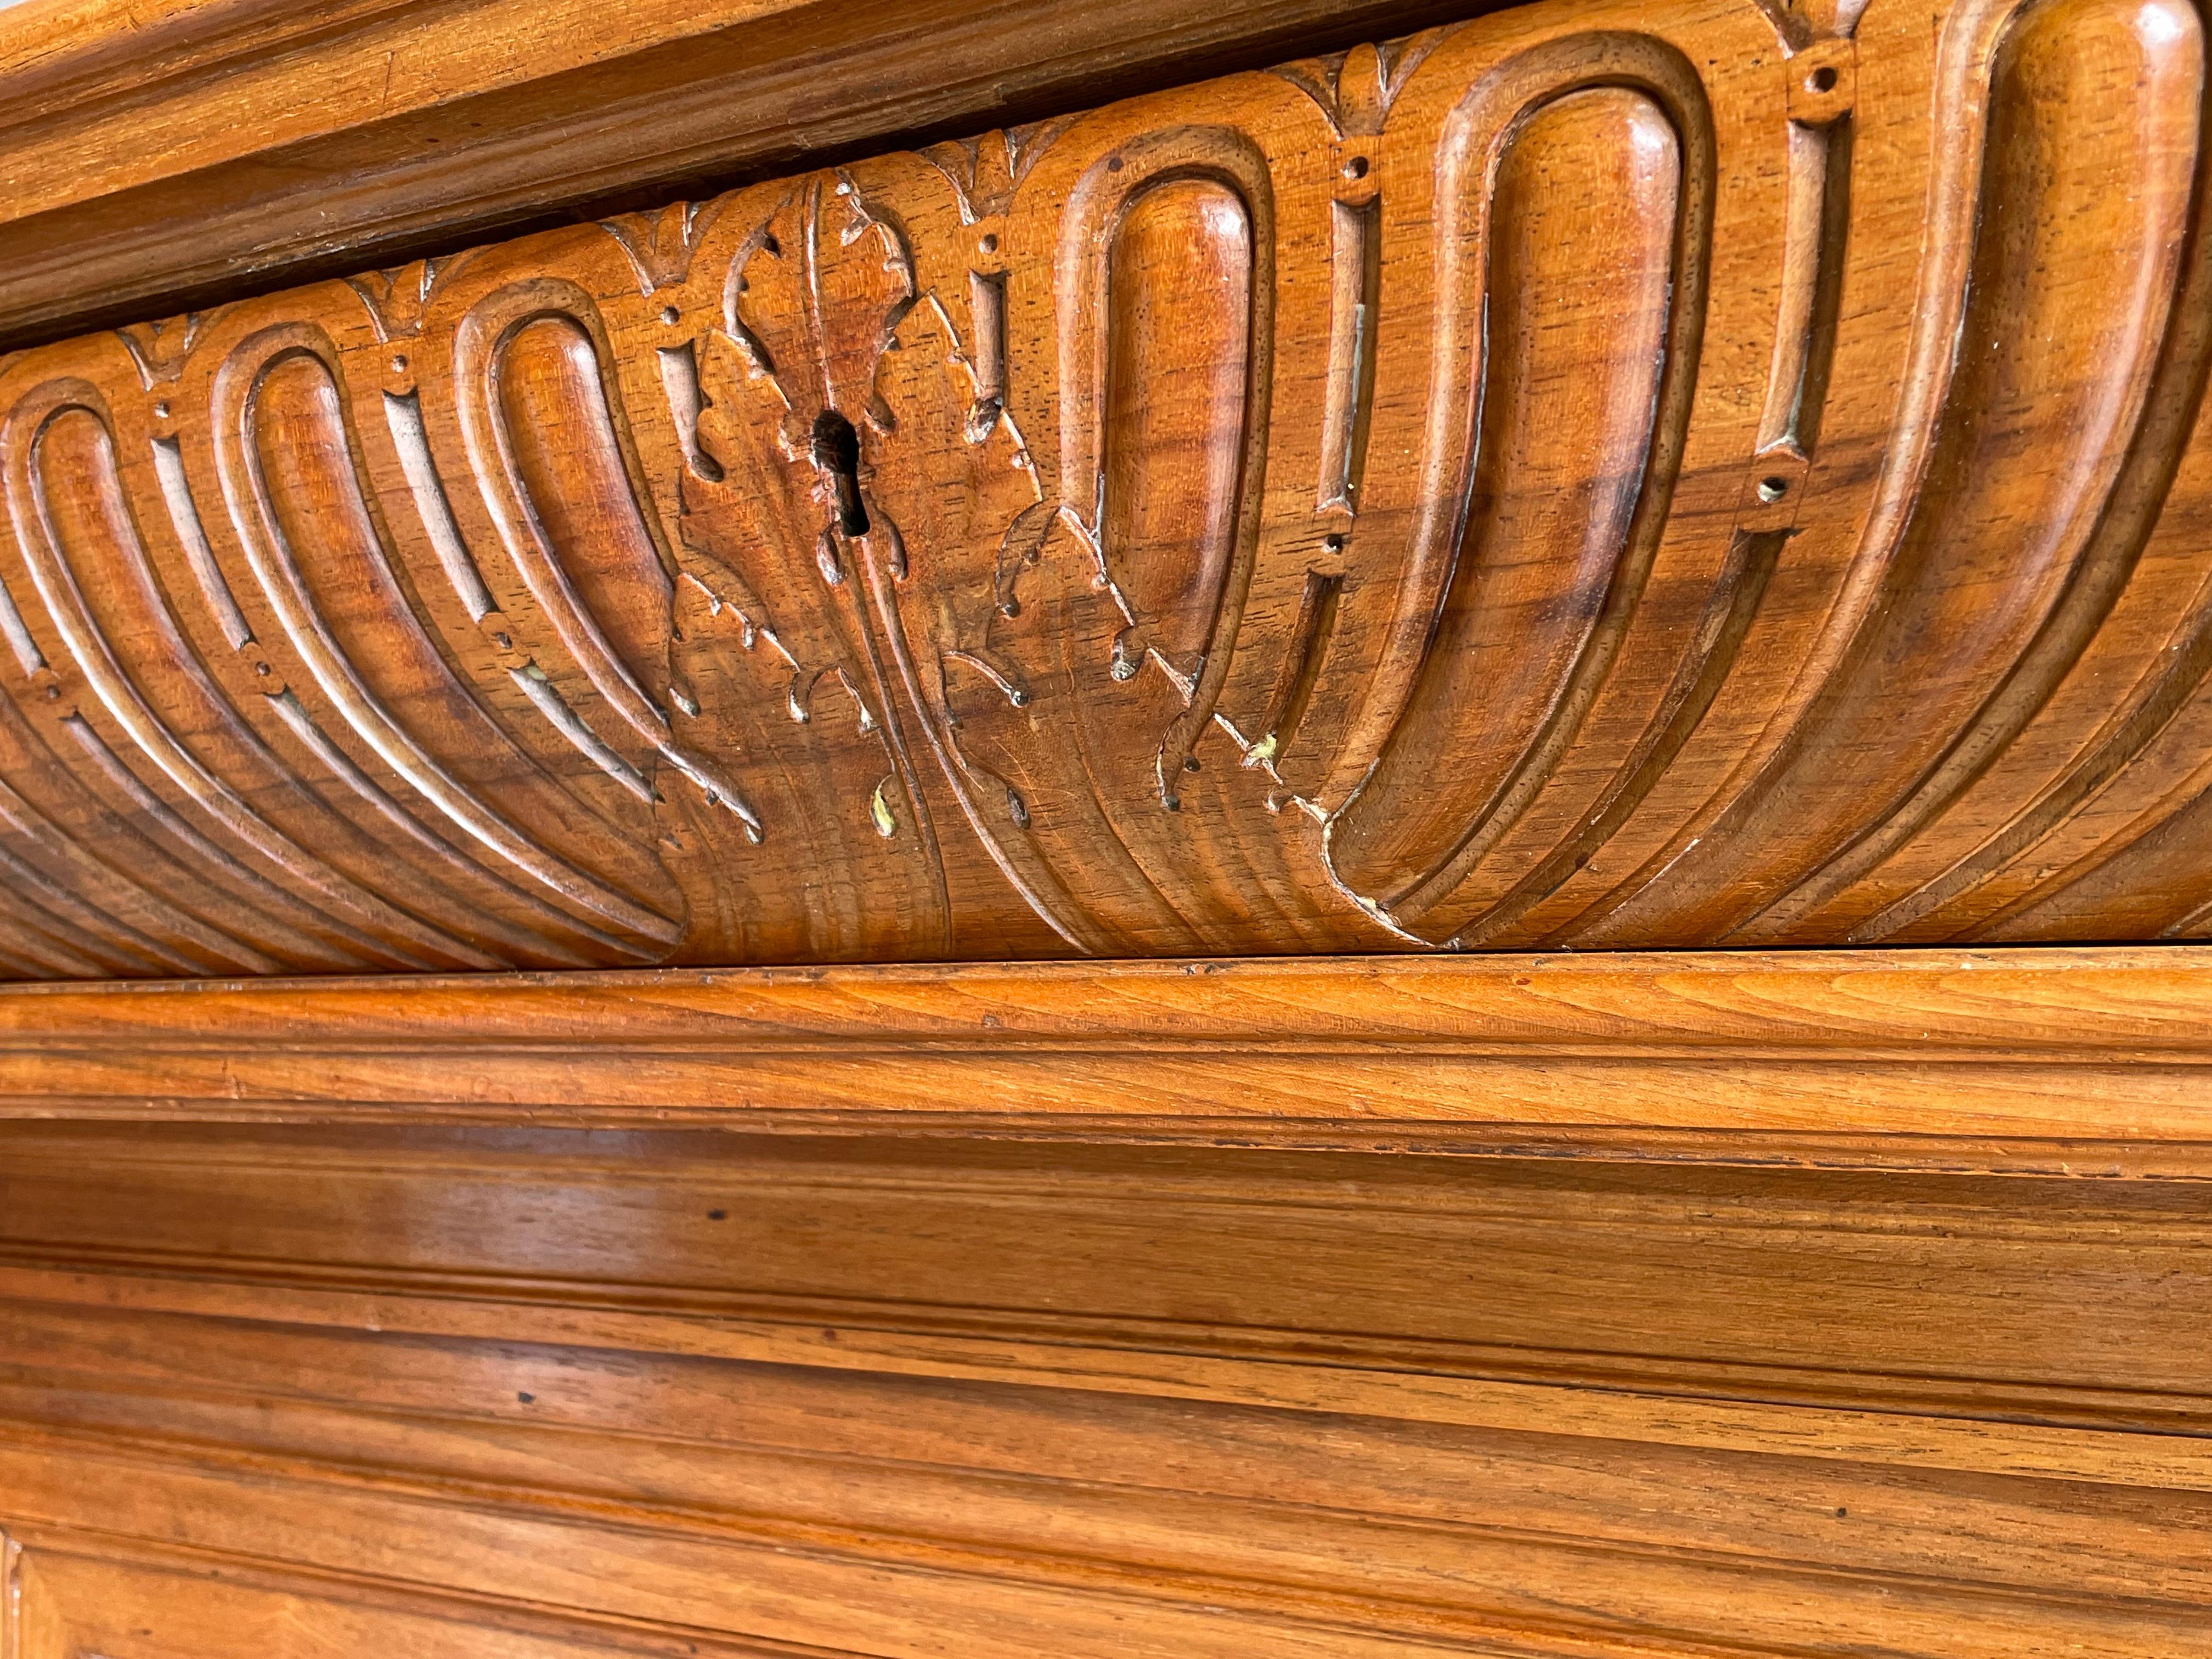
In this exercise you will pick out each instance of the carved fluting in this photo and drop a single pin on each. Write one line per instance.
(1574, 479)
(1575, 344)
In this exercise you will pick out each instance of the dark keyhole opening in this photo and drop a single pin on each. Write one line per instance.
(837, 453)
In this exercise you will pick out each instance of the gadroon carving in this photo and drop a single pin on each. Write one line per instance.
(1583, 478)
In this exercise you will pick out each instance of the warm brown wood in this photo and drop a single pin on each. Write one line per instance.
(1535, 1305)
(1715, 1049)
(1583, 477)
(1571, 1388)
(1367, 531)
(1555, 1305)
(155, 153)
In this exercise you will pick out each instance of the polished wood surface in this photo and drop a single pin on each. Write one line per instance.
(2041, 1047)
(1530, 1305)
(1514, 1306)
(1701, 1305)
(1029, 896)
(156, 154)
(1584, 477)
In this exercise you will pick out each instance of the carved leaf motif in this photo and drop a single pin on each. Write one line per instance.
(1304, 512)
(159, 348)
(661, 245)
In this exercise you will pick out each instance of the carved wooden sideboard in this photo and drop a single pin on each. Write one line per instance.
(1384, 841)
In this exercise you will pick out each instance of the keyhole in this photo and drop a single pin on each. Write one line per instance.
(837, 453)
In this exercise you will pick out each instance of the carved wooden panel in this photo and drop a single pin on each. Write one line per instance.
(1595, 476)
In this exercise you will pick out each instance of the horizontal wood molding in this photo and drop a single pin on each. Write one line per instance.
(168, 153)
(847, 1393)
(2001, 1055)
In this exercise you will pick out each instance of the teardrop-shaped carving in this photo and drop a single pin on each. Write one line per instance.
(2067, 288)
(155, 734)
(1178, 331)
(569, 462)
(320, 554)
(1581, 233)
(1376, 505)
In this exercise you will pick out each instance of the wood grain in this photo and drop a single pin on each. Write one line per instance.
(161, 153)
(1980, 1052)
(344, 1389)
(1531, 483)
(537, 785)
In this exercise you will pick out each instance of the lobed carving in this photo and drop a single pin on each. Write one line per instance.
(1574, 478)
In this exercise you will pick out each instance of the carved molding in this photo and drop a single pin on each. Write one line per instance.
(1584, 477)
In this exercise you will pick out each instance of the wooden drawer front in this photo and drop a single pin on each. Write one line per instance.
(336, 1394)
(1598, 475)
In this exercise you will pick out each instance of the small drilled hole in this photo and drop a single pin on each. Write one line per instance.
(1822, 79)
(671, 315)
(161, 411)
(1773, 489)
(1356, 167)
(988, 243)
(398, 365)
